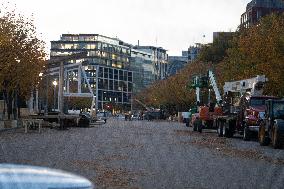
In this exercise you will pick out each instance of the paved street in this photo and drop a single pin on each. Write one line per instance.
(141, 154)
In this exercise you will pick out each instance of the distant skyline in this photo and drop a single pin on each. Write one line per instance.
(171, 24)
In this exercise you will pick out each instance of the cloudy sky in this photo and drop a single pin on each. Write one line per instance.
(172, 24)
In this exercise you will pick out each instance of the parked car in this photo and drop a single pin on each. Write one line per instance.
(120, 117)
(103, 115)
(13, 176)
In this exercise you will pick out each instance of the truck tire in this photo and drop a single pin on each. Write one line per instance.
(226, 131)
(200, 127)
(194, 126)
(220, 129)
(246, 135)
(262, 137)
(276, 142)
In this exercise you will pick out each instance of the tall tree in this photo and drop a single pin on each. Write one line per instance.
(259, 50)
(22, 57)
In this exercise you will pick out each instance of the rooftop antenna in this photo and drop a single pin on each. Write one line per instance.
(156, 40)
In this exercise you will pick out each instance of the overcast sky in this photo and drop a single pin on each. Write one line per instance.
(172, 24)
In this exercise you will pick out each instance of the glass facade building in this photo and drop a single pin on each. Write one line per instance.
(159, 58)
(115, 70)
(143, 70)
(106, 65)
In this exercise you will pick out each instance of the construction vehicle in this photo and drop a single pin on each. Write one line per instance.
(243, 107)
(272, 126)
(206, 111)
(151, 113)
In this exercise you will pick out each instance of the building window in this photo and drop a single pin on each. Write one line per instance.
(120, 75)
(125, 75)
(99, 95)
(105, 72)
(100, 83)
(105, 84)
(129, 87)
(110, 85)
(101, 72)
(110, 73)
(115, 71)
(115, 85)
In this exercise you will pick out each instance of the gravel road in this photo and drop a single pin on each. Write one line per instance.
(141, 154)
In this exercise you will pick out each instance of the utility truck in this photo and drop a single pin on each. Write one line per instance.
(243, 107)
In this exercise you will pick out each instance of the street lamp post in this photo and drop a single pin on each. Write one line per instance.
(54, 99)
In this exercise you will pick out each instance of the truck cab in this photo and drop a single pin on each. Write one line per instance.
(252, 111)
(272, 126)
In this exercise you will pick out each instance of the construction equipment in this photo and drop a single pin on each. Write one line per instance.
(272, 126)
(62, 68)
(206, 110)
(146, 107)
(242, 107)
(151, 113)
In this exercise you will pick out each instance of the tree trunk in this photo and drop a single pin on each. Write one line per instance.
(15, 104)
(4, 104)
(9, 104)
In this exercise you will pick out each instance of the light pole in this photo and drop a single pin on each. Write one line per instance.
(54, 97)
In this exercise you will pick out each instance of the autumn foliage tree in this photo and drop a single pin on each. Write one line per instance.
(173, 93)
(258, 50)
(249, 52)
(22, 58)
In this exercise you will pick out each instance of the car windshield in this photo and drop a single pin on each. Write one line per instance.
(278, 109)
(257, 101)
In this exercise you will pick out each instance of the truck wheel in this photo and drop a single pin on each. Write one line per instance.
(246, 135)
(194, 126)
(200, 127)
(276, 143)
(220, 129)
(226, 131)
(262, 138)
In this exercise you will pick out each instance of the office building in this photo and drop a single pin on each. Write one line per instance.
(257, 9)
(106, 65)
(193, 52)
(159, 58)
(177, 63)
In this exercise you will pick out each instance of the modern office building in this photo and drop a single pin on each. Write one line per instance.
(176, 63)
(159, 58)
(115, 69)
(260, 8)
(142, 66)
(193, 51)
(107, 66)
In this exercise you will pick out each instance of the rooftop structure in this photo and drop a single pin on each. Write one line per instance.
(257, 9)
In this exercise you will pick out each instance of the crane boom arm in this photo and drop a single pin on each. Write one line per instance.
(214, 85)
